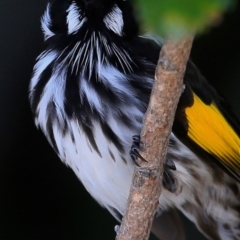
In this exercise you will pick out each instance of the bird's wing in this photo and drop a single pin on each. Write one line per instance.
(207, 121)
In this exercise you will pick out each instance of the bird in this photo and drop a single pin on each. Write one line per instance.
(89, 91)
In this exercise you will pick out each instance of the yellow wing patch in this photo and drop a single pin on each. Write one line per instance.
(209, 129)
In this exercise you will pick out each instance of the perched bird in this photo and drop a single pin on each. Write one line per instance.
(88, 93)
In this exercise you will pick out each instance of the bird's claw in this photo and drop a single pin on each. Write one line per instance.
(134, 152)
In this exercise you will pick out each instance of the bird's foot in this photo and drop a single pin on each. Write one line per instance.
(135, 148)
(169, 181)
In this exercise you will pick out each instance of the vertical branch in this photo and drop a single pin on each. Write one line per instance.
(146, 187)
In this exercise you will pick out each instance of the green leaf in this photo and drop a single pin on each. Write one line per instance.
(178, 17)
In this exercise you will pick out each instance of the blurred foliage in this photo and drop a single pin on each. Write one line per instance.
(178, 17)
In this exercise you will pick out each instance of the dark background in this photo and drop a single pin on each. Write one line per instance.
(39, 197)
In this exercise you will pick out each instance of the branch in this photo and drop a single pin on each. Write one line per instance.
(146, 187)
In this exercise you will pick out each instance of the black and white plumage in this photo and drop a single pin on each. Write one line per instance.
(89, 92)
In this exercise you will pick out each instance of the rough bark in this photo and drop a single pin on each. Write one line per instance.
(146, 187)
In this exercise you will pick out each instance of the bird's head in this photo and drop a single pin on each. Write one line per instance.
(69, 17)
